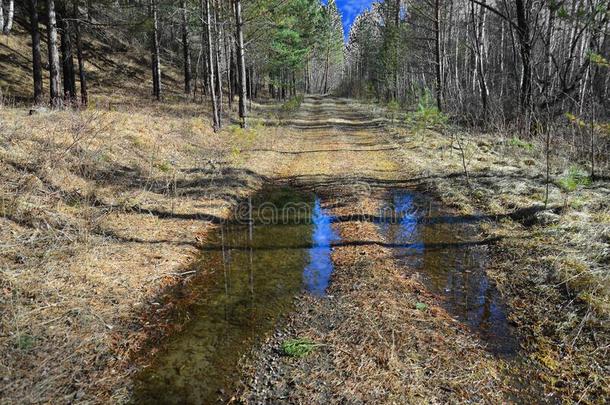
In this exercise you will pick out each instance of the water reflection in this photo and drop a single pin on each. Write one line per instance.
(243, 289)
(434, 248)
(316, 275)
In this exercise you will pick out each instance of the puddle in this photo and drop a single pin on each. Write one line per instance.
(279, 245)
(251, 272)
(443, 249)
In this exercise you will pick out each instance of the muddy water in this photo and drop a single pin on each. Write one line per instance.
(446, 253)
(276, 246)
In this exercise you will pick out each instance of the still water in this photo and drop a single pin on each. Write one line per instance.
(446, 252)
(252, 268)
(279, 245)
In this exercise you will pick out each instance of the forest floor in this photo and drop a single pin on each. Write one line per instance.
(102, 212)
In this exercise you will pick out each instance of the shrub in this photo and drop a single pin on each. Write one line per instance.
(427, 115)
(293, 104)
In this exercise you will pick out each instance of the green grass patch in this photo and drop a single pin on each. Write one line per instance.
(574, 178)
(25, 342)
(427, 115)
(293, 104)
(298, 347)
(518, 143)
(164, 167)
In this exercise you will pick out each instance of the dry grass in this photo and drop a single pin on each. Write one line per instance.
(551, 265)
(100, 211)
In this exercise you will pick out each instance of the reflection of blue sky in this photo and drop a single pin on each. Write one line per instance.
(316, 275)
(409, 225)
(350, 9)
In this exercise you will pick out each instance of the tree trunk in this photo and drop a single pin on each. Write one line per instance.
(1, 15)
(67, 59)
(36, 59)
(156, 57)
(523, 34)
(241, 64)
(210, 58)
(54, 81)
(479, 41)
(186, 50)
(82, 74)
(218, 33)
(439, 70)
(9, 17)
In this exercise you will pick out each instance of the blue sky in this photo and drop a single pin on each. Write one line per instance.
(350, 10)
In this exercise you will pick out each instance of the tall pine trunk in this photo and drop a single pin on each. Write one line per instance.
(54, 81)
(217, 32)
(36, 58)
(210, 58)
(82, 74)
(186, 50)
(523, 34)
(8, 25)
(156, 57)
(67, 59)
(241, 64)
(437, 48)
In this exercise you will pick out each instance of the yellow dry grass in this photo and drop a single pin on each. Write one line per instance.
(100, 211)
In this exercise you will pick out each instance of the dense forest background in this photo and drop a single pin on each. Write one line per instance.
(502, 65)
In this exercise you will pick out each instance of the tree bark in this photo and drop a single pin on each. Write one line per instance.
(523, 34)
(218, 37)
(439, 70)
(186, 50)
(156, 57)
(8, 25)
(36, 58)
(1, 15)
(67, 59)
(82, 74)
(241, 64)
(54, 81)
(210, 57)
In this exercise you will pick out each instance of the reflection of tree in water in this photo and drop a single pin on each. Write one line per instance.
(454, 271)
(247, 284)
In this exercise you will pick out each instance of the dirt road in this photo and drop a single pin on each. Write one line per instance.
(376, 345)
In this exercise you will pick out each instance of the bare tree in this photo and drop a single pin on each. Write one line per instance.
(67, 57)
(82, 74)
(437, 49)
